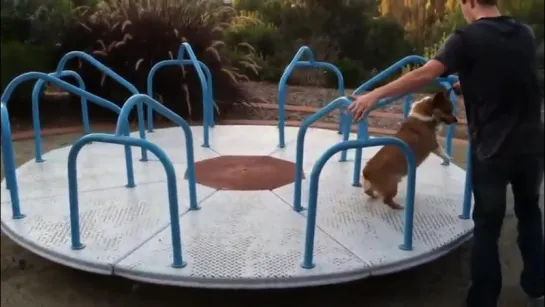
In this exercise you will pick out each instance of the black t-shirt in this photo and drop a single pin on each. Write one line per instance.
(495, 59)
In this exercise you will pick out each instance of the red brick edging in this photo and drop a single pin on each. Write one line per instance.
(29, 134)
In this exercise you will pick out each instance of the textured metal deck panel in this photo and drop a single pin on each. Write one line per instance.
(239, 239)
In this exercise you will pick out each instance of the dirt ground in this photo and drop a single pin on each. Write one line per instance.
(30, 281)
(317, 97)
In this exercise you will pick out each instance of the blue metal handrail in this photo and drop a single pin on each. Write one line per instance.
(9, 163)
(36, 91)
(110, 73)
(335, 104)
(450, 128)
(388, 72)
(208, 99)
(314, 181)
(7, 144)
(412, 60)
(310, 63)
(207, 105)
(122, 126)
(127, 141)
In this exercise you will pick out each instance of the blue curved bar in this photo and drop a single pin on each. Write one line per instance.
(127, 141)
(122, 126)
(159, 65)
(36, 91)
(9, 163)
(8, 91)
(282, 90)
(451, 128)
(409, 60)
(343, 120)
(407, 105)
(383, 75)
(451, 79)
(313, 193)
(110, 73)
(335, 104)
(363, 134)
(76, 91)
(204, 87)
(206, 100)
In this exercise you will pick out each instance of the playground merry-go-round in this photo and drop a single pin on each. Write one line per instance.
(225, 206)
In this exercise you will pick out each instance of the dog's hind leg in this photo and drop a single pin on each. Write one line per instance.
(388, 197)
(368, 189)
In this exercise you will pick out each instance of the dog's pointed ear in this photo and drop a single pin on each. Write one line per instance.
(440, 97)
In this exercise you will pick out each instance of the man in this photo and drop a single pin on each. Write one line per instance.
(494, 57)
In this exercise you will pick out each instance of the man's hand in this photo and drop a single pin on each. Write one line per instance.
(457, 88)
(362, 104)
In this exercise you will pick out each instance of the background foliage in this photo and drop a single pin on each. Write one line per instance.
(248, 40)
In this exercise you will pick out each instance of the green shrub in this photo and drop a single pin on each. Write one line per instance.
(383, 44)
(252, 34)
(37, 21)
(272, 68)
(277, 12)
(132, 36)
(361, 42)
(353, 73)
(264, 37)
(18, 58)
(248, 5)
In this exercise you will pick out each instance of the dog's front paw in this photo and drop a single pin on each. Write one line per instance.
(446, 160)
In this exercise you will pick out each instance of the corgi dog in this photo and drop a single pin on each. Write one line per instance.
(383, 172)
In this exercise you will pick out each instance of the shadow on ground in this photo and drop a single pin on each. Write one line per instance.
(30, 281)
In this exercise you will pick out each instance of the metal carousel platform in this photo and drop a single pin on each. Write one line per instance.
(241, 237)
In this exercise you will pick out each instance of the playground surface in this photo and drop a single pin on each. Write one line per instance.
(28, 280)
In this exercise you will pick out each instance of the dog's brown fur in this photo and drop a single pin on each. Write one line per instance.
(385, 170)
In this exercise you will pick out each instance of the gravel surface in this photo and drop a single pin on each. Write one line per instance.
(318, 97)
(30, 281)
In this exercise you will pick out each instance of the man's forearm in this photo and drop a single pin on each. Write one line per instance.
(407, 83)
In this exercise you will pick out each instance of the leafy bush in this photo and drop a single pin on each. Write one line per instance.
(383, 44)
(37, 21)
(264, 37)
(18, 58)
(130, 36)
(353, 73)
(341, 32)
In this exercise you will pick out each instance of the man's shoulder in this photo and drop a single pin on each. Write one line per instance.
(530, 30)
(498, 23)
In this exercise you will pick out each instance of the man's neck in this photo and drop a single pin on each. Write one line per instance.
(488, 12)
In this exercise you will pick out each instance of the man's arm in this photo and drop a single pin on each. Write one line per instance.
(446, 61)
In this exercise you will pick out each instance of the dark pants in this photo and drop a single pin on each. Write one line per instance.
(489, 181)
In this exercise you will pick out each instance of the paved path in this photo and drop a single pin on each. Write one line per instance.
(30, 281)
